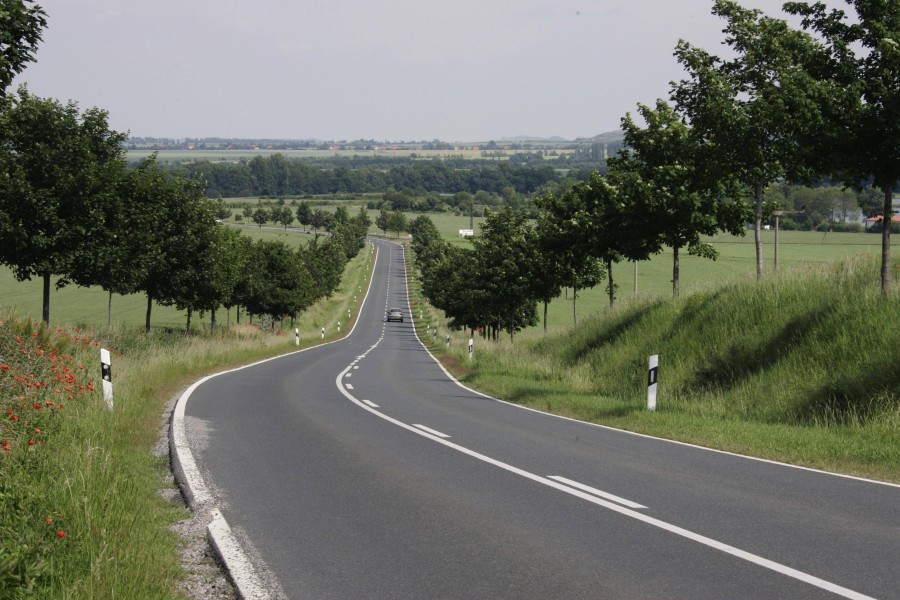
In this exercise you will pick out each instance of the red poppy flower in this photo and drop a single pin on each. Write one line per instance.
(60, 534)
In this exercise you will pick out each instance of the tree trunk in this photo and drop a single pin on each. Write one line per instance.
(187, 329)
(109, 312)
(757, 230)
(149, 307)
(574, 302)
(545, 315)
(46, 298)
(237, 309)
(676, 271)
(886, 239)
(512, 324)
(212, 320)
(612, 287)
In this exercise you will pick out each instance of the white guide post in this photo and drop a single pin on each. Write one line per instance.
(652, 380)
(297, 335)
(106, 374)
(471, 348)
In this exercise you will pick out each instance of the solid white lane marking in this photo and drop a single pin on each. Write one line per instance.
(596, 492)
(431, 431)
(370, 403)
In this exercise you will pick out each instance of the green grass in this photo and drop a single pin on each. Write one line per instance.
(91, 473)
(802, 367)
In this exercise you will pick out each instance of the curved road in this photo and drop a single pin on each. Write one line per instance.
(359, 469)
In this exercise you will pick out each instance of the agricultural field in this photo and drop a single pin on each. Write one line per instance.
(466, 153)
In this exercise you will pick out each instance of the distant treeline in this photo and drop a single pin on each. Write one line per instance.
(278, 175)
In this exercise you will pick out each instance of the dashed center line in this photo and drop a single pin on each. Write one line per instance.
(596, 492)
(431, 431)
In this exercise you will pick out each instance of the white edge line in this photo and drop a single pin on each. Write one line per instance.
(644, 435)
(695, 537)
(596, 492)
(370, 403)
(195, 491)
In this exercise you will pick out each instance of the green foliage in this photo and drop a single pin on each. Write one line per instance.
(680, 204)
(21, 26)
(859, 65)
(60, 169)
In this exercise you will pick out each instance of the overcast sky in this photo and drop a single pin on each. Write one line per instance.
(455, 70)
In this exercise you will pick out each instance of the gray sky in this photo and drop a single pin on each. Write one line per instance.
(457, 70)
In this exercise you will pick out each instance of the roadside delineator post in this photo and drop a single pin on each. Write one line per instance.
(652, 380)
(448, 340)
(106, 375)
(297, 335)
(471, 348)
(323, 332)
(339, 326)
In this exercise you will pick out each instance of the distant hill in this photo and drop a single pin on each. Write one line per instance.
(610, 137)
(533, 138)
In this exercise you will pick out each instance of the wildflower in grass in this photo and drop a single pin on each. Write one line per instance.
(61, 534)
(31, 442)
(6, 367)
(49, 520)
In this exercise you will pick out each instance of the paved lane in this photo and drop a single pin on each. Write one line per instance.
(359, 470)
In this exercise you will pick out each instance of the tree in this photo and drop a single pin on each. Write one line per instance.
(506, 265)
(859, 67)
(680, 205)
(317, 220)
(260, 216)
(304, 213)
(341, 215)
(750, 110)
(285, 216)
(59, 168)
(172, 240)
(566, 229)
(398, 221)
(363, 219)
(222, 212)
(450, 285)
(427, 244)
(21, 25)
(383, 220)
(281, 284)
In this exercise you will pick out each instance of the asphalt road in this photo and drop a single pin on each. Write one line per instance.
(360, 470)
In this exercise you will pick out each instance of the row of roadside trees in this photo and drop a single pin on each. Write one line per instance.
(71, 210)
(788, 107)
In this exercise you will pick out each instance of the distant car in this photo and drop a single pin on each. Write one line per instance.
(394, 314)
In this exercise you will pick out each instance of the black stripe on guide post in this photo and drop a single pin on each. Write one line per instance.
(106, 372)
(652, 375)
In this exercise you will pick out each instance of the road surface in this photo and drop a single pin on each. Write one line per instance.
(359, 469)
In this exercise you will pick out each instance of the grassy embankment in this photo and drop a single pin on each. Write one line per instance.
(803, 367)
(80, 512)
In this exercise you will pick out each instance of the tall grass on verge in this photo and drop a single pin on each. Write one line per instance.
(81, 516)
(802, 367)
